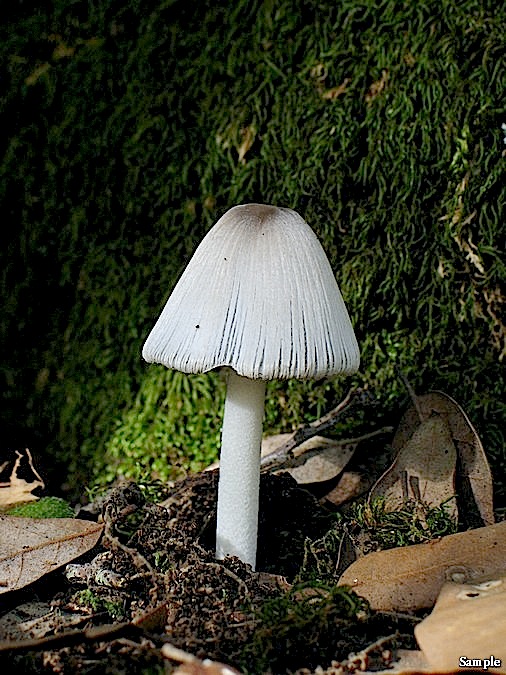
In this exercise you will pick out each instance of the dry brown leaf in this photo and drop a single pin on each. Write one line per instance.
(319, 459)
(352, 485)
(359, 477)
(473, 463)
(33, 547)
(271, 443)
(276, 581)
(36, 620)
(423, 470)
(468, 620)
(410, 578)
(17, 490)
(307, 448)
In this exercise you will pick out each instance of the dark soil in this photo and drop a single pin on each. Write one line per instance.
(157, 582)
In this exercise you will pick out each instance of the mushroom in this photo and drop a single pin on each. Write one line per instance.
(258, 297)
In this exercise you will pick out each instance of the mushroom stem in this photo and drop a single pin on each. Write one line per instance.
(238, 488)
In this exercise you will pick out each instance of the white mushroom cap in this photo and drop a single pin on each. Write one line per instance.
(258, 295)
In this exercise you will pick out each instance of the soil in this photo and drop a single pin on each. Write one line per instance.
(154, 581)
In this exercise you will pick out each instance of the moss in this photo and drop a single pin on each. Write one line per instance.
(172, 427)
(45, 507)
(137, 126)
(368, 525)
(414, 523)
(87, 598)
(311, 624)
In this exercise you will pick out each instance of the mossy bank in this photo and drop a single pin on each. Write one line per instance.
(131, 127)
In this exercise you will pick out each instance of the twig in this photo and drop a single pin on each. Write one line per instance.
(112, 542)
(381, 642)
(340, 549)
(93, 634)
(303, 455)
(401, 615)
(284, 453)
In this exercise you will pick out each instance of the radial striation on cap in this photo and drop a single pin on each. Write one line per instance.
(259, 296)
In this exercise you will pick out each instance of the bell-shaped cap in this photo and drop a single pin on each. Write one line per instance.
(259, 296)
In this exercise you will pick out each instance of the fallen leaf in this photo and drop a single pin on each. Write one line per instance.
(31, 547)
(36, 620)
(473, 470)
(352, 485)
(423, 470)
(17, 490)
(276, 581)
(319, 459)
(271, 443)
(468, 620)
(359, 477)
(411, 577)
(205, 667)
(70, 637)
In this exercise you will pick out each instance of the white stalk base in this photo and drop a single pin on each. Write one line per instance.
(238, 488)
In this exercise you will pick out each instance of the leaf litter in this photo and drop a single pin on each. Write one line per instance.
(31, 548)
(150, 593)
(471, 614)
(17, 489)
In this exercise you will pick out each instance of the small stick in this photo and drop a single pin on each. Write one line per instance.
(284, 452)
(290, 461)
(94, 634)
(111, 542)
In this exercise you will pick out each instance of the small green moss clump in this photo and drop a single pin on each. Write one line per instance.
(413, 523)
(370, 526)
(307, 624)
(46, 507)
(87, 598)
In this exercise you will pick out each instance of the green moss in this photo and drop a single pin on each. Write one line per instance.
(412, 524)
(369, 526)
(173, 426)
(309, 622)
(45, 507)
(87, 598)
(128, 144)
